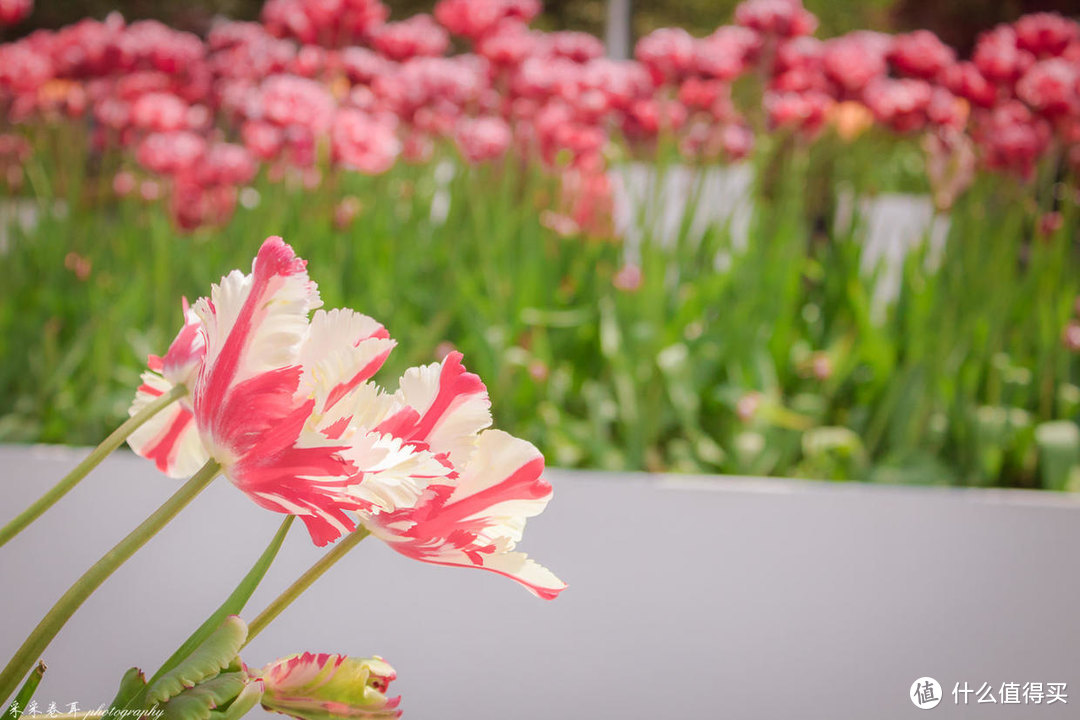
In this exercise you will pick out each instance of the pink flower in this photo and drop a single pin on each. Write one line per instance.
(475, 515)
(853, 60)
(900, 104)
(921, 54)
(170, 153)
(160, 112)
(313, 686)
(364, 143)
(577, 46)
(482, 139)
(628, 279)
(801, 111)
(288, 100)
(1045, 34)
(170, 438)
(194, 204)
(1050, 87)
(999, 58)
(331, 23)
(363, 65)
(965, 80)
(1012, 138)
(227, 164)
(668, 54)
(419, 35)
(726, 53)
(784, 18)
(283, 402)
(262, 139)
(13, 11)
(475, 19)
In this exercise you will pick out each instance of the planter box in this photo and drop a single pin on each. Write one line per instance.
(690, 597)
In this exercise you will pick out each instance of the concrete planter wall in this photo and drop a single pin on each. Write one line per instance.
(690, 597)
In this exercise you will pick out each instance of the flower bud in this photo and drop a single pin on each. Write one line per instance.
(313, 686)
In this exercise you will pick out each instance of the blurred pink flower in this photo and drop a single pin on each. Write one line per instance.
(900, 104)
(999, 58)
(363, 143)
(1051, 87)
(669, 54)
(783, 18)
(417, 36)
(482, 139)
(160, 112)
(474, 19)
(855, 59)
(14, 11)
(171, 153)
(1045, 34)
(920, 54)
(965, 80)
(628, 278)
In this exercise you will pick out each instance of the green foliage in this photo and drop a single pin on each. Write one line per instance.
(216, 653)
(774, 358)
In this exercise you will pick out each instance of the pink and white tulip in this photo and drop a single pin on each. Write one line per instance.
(474, 516)
(313, 686)
(283, 402)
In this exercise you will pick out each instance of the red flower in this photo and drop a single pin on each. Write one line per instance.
(900, 104)
(417, 36)
(784, 18)
(13, 11)
(481, 139)
(1045, 34)
(920, 54)
(999, 58)
(1050, 87)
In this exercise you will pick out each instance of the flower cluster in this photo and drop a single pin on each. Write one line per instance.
(281, 396)
(202, 116)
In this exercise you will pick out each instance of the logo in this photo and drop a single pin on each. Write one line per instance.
(925, 693)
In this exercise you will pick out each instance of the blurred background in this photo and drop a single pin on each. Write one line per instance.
(957, 23)
(836, 241)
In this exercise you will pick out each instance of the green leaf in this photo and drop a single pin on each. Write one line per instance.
(131, 685)
(26, 692)
(196, 703)
(248, 698)
(211, 657)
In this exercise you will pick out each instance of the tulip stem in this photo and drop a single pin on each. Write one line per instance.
(305, 581)
(91, 461)
(70, 601)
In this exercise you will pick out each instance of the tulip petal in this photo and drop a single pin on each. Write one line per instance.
(451, 407)
(170, 438)
(477, 519)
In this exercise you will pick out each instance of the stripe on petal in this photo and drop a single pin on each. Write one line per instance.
(452, 406)
(476, 519)
(170, 438)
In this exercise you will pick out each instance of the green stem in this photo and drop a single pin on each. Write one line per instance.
(26, 693)
(70, 601)
(304, 582)
(118, 436)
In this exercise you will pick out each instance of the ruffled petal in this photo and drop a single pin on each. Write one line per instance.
(451, 408)
(477, 518)
(170, 438)
(253, 323)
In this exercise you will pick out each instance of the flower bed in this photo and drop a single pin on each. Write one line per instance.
(455, 175)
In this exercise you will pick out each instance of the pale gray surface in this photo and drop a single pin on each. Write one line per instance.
(708, 598)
